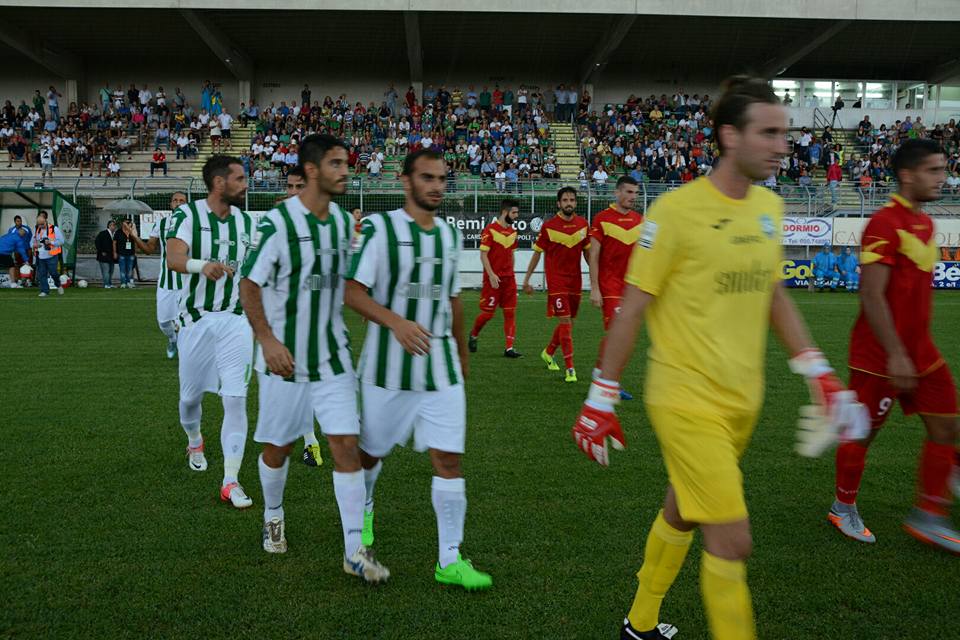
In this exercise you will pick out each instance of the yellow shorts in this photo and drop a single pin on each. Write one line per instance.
(702, 454)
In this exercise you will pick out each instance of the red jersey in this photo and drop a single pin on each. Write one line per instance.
(901, 237)
(499, 243)
(616, 233)
(563, 242)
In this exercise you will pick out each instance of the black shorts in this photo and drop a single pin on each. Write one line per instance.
(226, 133)
(6, 261)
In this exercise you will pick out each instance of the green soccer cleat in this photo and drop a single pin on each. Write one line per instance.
(548, 359)
(366, 536)
(571, 375)
(463, 574)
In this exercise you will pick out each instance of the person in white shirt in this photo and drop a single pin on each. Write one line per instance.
(500, 179)
(226, 121)
(216, 134)
(374, 167)
(426, 142)
(183, 145)
(600, 178)
(113, 169)
(145, 96)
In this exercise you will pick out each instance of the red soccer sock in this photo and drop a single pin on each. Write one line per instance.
(554, 341)
(480, 322)
(936, 461)
(509, 326)
(851, 459)
(566, 343)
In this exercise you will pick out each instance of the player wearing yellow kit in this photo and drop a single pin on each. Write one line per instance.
(705, 272)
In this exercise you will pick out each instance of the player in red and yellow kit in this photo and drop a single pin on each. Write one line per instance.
(705, 276)
(564, 240)
(613, 233)
(497, 244)
(892, 354)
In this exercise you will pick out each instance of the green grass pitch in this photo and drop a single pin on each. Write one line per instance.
(105, 533)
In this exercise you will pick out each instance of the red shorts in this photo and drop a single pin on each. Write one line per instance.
(563, 305)
(504, 296)
(935, 395)
(611, 307)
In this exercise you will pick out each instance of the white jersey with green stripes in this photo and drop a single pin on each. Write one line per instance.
(168, 279)
(210, 238)
(299, 263)
(414, 273)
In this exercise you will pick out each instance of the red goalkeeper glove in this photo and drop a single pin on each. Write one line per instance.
(597, 425)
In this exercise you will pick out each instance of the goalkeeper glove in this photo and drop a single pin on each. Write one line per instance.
(817, 430)
(597, 422)
(823, 382)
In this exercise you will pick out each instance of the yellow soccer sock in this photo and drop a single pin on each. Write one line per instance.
(727, 598)
(662, 558)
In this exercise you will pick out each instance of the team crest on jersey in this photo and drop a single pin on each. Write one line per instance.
(245, 239)
(767, 226)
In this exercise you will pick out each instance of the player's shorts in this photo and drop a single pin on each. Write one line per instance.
(935, 395)
(611, 307)
(7, 262)
(216, 354)
(168, 305)
(504, 296)
(287, 409)
(563, 305)
(435, 419)
(702, 455)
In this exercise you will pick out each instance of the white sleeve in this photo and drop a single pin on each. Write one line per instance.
(183, 227)
(261, 264)
(457, 247)
(366, 261)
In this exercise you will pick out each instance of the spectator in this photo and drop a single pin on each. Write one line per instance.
(226, 123)
(600, 178)
(183, 145)
(163, 137)
(47, 244)
(53, 102)
(953, 183)
(834, 176)
(374, 167)
(787, 100)
(107, 256)
(12, 246)
(113, 168)
(215, 134)
(125, 252)
(500, 179)
(159, 162)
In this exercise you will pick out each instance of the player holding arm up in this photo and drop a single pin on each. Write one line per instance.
(892, 353)
(705, 275)
(208, 240)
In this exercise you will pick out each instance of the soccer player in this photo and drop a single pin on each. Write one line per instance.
(208, 240)
(296, 181)
(892, 354)
(170, 282)
(563, 238)
(292, 294)
(497, 244)
(614, 231)
(405, 280)
(706, 274)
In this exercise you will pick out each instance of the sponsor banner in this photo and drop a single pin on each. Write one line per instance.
(797, 273)
(804, 232)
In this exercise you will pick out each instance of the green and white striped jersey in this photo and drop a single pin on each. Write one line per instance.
(414, 273)
(168, 279)
(300, 263)
(209, 238)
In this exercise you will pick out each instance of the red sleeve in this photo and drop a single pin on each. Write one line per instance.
(880, 242)
(596, 228)
(486, 242)
(542, 242)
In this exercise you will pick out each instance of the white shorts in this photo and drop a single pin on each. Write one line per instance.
(216, 355)
(287, 409)
(168, 305)
(436, 419)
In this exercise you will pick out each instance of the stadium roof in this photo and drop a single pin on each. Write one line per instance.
(665, 45)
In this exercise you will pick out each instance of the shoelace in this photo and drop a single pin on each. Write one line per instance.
(856, 521)
(273, 530)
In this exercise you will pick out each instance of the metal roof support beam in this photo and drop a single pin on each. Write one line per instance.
(943, 72)
(619, 28)
(796, 51)
(61, 63)
(411, 23)
(238, 62)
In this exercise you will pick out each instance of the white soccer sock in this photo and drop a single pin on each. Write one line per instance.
(169, 329)
(272, 481)
(233, 436)
(310, 438)
(449, 498)
(596, 373)
(190, 412)
(348, 488)
(369, 481)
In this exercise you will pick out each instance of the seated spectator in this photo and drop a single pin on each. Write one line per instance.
(159, 162)
(113, 168)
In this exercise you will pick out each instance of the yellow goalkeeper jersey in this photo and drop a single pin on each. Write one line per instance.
(712, 263)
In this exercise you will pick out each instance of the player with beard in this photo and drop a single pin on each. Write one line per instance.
(169, 283)
(497, 244)
(208, 240)
(564, 239)
(706, 274)
(405, 280)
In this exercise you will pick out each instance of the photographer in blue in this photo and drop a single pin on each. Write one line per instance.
(13, 244)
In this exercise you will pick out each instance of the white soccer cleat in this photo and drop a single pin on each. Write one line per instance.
(233, 493)
(274, 540)
(846, 518)
(60, 290)
(364, 565)
(195, 458)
